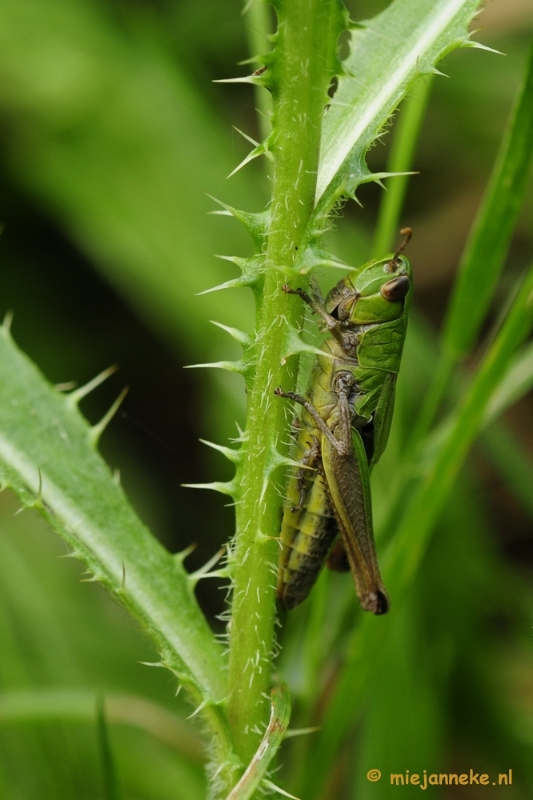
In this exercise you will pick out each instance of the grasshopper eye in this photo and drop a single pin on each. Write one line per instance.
(396, 289)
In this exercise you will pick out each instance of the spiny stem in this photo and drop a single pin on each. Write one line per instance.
(300, 73)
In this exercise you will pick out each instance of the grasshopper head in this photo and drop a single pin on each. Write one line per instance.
(379, 291)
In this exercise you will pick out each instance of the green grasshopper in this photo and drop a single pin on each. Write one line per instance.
(344, 430)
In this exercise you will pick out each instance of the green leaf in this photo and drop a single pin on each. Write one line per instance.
(46, 458)
(75, 705)
(447, 451)
(107, 760)
(388, 55)
(485, 252)
(515, 383)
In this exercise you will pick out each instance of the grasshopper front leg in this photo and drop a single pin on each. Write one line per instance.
(331, 324)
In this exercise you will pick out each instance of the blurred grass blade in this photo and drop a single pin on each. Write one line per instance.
(77, 705)
(517, 381)
(512, 462)
(109, 774)
(485, 252)
(438, 471)
(402, 152)
(33, 623)
(280, 713)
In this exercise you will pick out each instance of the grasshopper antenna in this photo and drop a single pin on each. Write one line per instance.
(407, 232)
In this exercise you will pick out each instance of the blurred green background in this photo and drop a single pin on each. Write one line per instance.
(112, 134)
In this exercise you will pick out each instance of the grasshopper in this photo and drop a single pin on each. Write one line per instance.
(343, 431)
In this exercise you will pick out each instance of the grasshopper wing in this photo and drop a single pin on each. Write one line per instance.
(383, 417)
(347, 479)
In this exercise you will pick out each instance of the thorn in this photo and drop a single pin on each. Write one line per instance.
(182, 555)
(296, 345)
(239, 336)
(96, 431)
(240, 262)
(231, 366)
(200, 707)
(377, 176)
(245, 79)
(230, 453)
(65, 387)
(258, 59)
(255, 223)
(289, 734)
(6, 325)
(116, 477)
(78, 394)
(251, 269)
(223, 573)
(235, 283)
(245, 135)
(92, 579)
(228, 488)
(479, 46)
(262, 538)
(260, 150)
(123, 583)
(250, 157)
(152, 663)
(314, 258)
(277, 789)
(203, 572)
(221, 203)
(285, 461)
(354, 26)
(38, 502)
(71, 554)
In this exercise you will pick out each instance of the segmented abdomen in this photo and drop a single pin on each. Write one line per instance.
(307, 532)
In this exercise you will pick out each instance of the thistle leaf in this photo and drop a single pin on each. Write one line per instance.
(45, 452)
